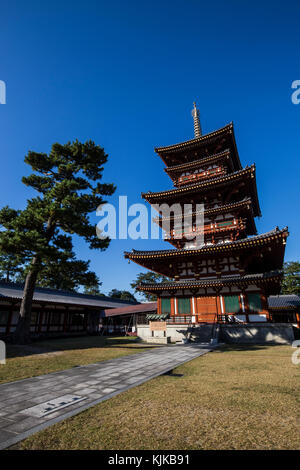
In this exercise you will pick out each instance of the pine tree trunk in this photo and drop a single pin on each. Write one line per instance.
(22, 332)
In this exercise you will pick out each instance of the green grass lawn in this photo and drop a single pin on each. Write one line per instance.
(52, 355)
(233, 398)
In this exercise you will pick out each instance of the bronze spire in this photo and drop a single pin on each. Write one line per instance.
(197, 125)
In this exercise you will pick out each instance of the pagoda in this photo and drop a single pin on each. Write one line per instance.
(231, 272)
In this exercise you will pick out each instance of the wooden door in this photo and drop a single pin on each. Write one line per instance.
(206, 309)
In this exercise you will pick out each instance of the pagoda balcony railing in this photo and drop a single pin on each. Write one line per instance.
(213, 228)
(159, 219)
(200, 318)
(190, 319)
(182, 319)
(230, 318)
(213, 173)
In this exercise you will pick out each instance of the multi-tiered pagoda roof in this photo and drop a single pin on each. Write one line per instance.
(207, 170)
(200, 147)
(246, 177)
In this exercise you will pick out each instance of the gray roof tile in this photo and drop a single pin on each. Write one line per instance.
(15, 291)
(291, 301)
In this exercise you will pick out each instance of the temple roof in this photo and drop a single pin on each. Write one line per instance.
(224, 136)
(246, 202)
(284, 302)
(195, 163)
(193, 142)
(245, 243)
(131, 309)
(10, 290)
(214, 283)
(192, 188)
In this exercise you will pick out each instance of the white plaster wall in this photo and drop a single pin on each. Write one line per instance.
(176, 332)
(258, 317)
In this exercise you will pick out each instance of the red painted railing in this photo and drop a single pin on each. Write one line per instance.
(215, 227)
(212, 173)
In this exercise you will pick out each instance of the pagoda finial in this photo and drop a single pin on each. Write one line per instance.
(197, 125)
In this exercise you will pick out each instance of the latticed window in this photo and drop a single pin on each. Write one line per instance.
(232, 304)
(165, 305)
(55, 318)
(254, 301)
(34, 318)
(183, 305)
(3, 318)
(77, 319)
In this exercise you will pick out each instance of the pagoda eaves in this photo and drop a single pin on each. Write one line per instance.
(275, 235)
(197, 188)
(272, 279)
(221, 139)
(244, 203)
(225, 155)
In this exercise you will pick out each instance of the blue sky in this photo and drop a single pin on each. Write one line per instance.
(125, 74)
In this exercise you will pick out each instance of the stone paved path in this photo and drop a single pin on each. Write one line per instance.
(29, 405)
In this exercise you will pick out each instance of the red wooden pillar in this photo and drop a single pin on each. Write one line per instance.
(246, 303)
(66, 318)
(9, 319)
(265, 306)
(159, 305)
(85, 320)
(172, 302)
(41, 318)
(49, 320)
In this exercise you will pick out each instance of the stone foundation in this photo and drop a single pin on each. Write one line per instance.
(158, 340)
(250, 333)
(273, 333)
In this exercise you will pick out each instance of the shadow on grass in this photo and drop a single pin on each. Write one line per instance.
(79, 343)
(53, 345)
(244, 347)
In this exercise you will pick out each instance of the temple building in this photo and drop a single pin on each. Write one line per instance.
(64, 313)
(223, 270)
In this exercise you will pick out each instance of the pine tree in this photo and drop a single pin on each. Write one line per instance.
(69, 187)
(151, 278)
(291, 278)
(66, 273)
(122, 295)
(10, 267)
(93, 290)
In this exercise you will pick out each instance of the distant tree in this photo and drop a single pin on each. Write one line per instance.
(66, 273)
(291, 278)
(151, 278)
(10, 267)
(93, 290)
(69, 275)
(122, 295)
(68, 183)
